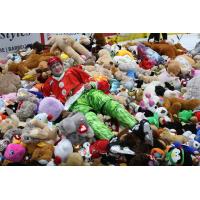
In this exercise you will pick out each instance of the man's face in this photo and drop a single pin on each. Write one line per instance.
(57, 69)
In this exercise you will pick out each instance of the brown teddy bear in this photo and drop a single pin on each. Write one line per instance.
(74, 159)
(41, 152)
(174, 105)
(9, 82)
(169, 138)
(31, 62)
(39, 74)
(167, 49)
(69, 46)
(174, 68)
(105, 59)
(43, 131)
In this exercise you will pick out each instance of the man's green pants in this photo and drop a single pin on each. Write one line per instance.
(95, 101)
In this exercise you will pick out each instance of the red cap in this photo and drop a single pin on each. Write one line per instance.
(53, 60)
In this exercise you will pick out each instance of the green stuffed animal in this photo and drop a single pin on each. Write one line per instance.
(154, 120)
(185, 115)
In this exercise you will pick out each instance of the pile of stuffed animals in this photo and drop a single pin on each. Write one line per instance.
(158, 82)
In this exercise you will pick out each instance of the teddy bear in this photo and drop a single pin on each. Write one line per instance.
(42, 131)
(104, 59)
(41, 152)
(186, 63)
(169, 137)
(9, 83)
(136, 94)
(76, 128)
(174, 105)
(126, 81)
(174, 67)
(165, 49)
(10, 122)
(121, 97)
(69, 46)
(31, 62)
(75, 159)
(101, 71)
(28, 104)
(39, 74)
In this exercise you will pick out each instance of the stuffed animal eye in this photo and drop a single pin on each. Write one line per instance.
(12, 152)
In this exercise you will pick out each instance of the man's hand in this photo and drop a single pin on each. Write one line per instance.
(87, 86)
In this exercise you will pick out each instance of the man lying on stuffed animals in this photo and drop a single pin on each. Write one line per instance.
(75, 89)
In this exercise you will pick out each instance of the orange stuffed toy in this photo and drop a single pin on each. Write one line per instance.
(167, 49)
(174, 105)
(31, 62)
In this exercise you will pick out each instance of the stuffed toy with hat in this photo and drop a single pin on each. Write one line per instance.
(69, 46)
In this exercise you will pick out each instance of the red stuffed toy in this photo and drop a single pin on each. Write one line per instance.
(98, 148)
(104, 86)
(146, 64)
(197, 114)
